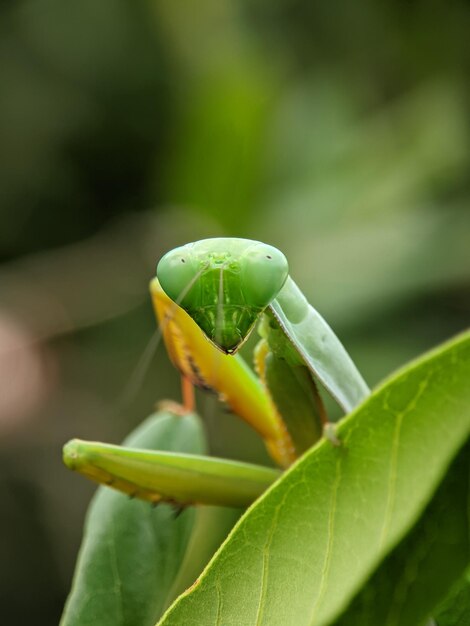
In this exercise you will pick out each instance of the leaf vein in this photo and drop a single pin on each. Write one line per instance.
(392, 481)
(330, 541)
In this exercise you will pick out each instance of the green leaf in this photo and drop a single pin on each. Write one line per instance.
(211, 527)
(421, 570)
(455, 610)
(304, 550)
(131, 552)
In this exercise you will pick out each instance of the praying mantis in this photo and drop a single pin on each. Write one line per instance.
(208, 297)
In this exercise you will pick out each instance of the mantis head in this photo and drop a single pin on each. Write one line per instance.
(224, 284)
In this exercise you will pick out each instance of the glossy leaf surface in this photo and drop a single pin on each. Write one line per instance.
(425, 565)
(305, 549)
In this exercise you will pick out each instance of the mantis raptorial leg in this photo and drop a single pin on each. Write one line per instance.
(157, 476)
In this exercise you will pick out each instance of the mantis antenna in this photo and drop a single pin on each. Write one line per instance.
(138, 375)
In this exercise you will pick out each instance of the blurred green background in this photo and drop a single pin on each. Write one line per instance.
(337, 132)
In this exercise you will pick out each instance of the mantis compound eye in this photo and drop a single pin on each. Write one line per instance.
(264, 272)
(176, 272)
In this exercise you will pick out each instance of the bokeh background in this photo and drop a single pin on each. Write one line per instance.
(337, 132)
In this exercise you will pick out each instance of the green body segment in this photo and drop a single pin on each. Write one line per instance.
(156, 476)
(296, 397)
(226, 285)
(316, 346)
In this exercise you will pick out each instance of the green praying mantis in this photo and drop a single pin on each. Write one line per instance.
(208, 297)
